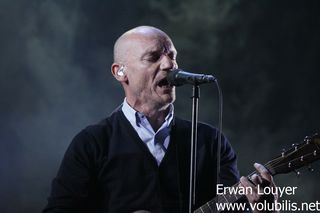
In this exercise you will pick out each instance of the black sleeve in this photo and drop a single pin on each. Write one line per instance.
(73, 186)
(229, 173)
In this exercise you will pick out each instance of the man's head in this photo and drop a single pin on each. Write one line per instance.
(143, 57)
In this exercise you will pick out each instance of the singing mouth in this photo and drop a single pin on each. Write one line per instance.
(164, 83)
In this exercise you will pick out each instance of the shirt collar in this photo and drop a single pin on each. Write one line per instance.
(135, 117)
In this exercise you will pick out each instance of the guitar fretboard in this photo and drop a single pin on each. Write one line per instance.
(298, 156)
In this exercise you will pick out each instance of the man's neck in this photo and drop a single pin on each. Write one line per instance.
(156, 118)
(155, 114)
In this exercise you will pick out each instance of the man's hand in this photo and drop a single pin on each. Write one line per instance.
(262, 179)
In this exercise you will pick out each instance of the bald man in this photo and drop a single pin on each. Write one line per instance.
(137, 158)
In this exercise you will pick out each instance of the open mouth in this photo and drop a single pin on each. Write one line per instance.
(164, 83)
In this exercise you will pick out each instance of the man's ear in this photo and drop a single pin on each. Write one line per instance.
(118, 71)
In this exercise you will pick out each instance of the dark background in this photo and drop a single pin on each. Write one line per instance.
(55, 58)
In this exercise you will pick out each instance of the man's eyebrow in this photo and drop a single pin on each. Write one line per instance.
(159, 51)
(151, 52)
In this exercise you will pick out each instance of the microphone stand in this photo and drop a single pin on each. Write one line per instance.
(194, 142)
(179, 77)
(193, 154)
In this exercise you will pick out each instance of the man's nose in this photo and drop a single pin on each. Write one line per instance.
(168, 63)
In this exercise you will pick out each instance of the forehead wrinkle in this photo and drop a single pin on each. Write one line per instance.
(161, 46)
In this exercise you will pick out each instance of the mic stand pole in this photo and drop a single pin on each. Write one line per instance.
(193, 145)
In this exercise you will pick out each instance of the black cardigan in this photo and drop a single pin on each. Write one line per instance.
(107, 168)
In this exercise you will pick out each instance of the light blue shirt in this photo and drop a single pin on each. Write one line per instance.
(157, 142)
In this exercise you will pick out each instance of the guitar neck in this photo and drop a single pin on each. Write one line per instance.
(298, 156)
(229, 195)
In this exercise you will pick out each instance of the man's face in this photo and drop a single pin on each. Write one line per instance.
(149, 59)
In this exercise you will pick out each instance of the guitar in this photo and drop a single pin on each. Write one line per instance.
(298, 156)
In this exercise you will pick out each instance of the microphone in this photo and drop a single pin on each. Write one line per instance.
(180, 77)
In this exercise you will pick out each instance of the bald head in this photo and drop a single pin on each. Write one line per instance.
(143, 57)
(122, 46)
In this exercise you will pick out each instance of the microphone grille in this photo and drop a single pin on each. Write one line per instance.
(172, 77)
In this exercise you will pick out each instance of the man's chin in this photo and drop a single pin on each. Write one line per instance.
(168, 98)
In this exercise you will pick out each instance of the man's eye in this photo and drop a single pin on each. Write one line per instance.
(172, 56)
(153, 57)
